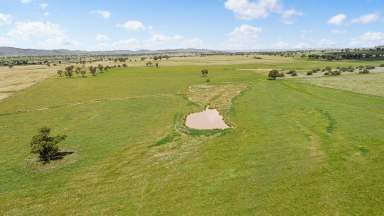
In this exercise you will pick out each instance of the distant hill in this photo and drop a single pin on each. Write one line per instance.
(12, 51)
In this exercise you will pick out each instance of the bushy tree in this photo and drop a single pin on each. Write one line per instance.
(101, 68)
(273, 74)
(69, 71)
(46, 146)
(204, 72)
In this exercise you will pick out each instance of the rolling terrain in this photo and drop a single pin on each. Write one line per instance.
(294, 149)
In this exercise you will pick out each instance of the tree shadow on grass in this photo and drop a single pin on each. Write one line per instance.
(58, 156)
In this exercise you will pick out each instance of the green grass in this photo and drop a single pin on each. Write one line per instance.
(297, 149)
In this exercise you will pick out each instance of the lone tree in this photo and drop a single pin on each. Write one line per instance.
(204, 72)
(46, 146)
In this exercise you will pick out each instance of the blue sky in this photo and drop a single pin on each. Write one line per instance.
(212, 24)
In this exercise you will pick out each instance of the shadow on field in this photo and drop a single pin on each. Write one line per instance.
(61, 155)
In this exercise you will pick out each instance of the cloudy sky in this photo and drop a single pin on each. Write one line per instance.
(212, 24)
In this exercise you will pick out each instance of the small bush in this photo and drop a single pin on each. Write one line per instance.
(381, 65)
(365, 71)
(309, 73)
(328, 68)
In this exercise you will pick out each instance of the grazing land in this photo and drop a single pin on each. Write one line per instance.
(296, 148)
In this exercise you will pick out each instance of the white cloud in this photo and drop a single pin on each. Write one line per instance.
(246, 9)
(157, 41)
(102, 13)
(243, 37)
(249, 9)
(101, 37)
(366, 19)
(288, 16)
(5, 19)
(40, 35)
(338, 19)
(25, 1)
(30, 30)
(132, 25)
(43, 6)
(338, 31)
(46, 13)
(369, 39)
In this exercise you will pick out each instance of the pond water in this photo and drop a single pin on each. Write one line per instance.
(209, 119)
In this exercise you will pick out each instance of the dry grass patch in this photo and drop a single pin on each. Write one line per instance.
(21, 77)
(372, 84)
(215, 96)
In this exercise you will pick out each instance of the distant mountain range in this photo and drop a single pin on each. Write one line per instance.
(12, 51)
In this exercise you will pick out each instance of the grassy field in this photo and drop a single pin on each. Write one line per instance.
(295, 148)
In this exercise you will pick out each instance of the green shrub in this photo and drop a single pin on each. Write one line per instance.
(273, 74)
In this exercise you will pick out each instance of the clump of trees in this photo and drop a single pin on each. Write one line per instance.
(274, 74)
(46, 146)
(69, 71)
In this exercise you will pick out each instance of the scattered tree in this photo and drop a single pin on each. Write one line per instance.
(365, 71)
(92, 70)
(101, 68)
(60, 73)
(69, 71)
